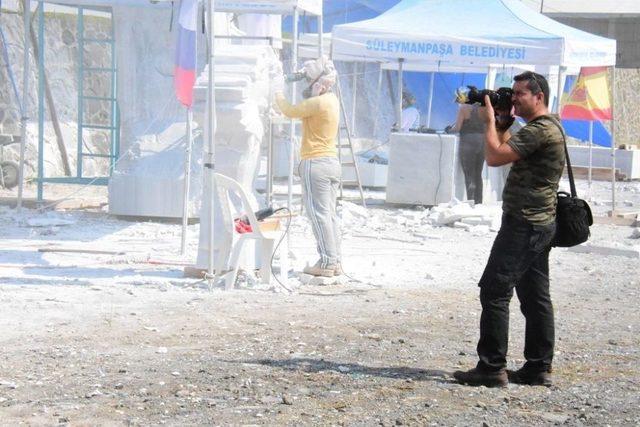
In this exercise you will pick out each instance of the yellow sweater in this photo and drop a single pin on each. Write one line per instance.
(320, 117)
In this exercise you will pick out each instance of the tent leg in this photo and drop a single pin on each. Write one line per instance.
(354, 95)
(400, 84)
(320, 34)
(613, 141)
(377, 104)
(187, 182)
(561, 74)
(25, 99)
(292, 126)
(431, 81)
(590, 155)
(211, 118)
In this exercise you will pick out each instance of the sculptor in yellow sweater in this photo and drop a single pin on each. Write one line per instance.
(320, 118)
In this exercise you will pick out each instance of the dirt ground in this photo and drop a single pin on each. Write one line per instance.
(107, 341)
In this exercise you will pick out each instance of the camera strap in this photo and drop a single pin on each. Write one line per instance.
(572, 183)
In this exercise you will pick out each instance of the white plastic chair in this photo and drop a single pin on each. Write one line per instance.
(226, 186)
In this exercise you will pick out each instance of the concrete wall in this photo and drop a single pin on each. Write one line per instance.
(627, 98)
(625, 30)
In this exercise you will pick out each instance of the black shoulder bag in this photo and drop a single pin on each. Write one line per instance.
(573, 215)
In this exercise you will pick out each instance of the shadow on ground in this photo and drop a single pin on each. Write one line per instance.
(319, 365)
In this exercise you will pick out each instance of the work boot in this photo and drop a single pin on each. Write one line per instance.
(316, 270)
(478, 377)
(530, 377)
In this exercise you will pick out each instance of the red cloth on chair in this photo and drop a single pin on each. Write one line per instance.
(242, 226)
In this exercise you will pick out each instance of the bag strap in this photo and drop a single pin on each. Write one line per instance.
(572, 183)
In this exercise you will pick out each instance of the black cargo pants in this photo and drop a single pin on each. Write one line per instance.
(519, 258)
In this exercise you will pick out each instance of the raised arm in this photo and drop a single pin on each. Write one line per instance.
(306, 108)
(496, 151)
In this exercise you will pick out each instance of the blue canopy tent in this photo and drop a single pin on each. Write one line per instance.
(462, 35)
(468, 36)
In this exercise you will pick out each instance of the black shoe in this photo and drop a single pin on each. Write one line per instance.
(478, 377)
(530, 377)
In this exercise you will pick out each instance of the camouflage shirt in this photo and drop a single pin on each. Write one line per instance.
(530, 191)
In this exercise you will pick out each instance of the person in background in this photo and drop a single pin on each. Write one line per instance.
(319, 166)
(470, 149)
(519, 257)
(410, 114)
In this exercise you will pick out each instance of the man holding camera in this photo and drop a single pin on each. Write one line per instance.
(520, 254)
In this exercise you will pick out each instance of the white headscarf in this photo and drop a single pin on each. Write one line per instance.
(321, 74)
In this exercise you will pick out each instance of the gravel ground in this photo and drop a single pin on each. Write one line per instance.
(112, 341)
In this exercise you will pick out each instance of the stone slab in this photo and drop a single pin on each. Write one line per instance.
(422, 168)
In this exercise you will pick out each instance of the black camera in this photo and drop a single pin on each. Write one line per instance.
(500, 99)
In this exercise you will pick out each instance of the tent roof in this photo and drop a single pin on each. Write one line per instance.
(469, 33)
(591, 9)
(279, 7)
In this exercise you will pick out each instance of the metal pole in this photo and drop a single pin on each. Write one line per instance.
(399, 105)
(269, 189)
(25, 99)
(292, 126)
(354, 94)
(320, 36)
(187, 182)
(613, 142)
(269, 178)
(41, 91)
(561, 71)
(211, 118)
(430, 98)
(377, 104)
(590, 153)
(80, 73)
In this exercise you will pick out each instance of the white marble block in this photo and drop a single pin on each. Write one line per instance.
(422, 169)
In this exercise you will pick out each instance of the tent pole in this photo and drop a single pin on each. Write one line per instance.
(377, 104)
(561, 72)
(590, 154)
(292, 126)
(354, 95)
(400, 84)
(269, 180)
(211, 119)
(433, 74)
(187, 182)
(320, 34)
(25, 98)
(613, 142)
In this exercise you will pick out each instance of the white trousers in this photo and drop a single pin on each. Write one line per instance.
(320, 180)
